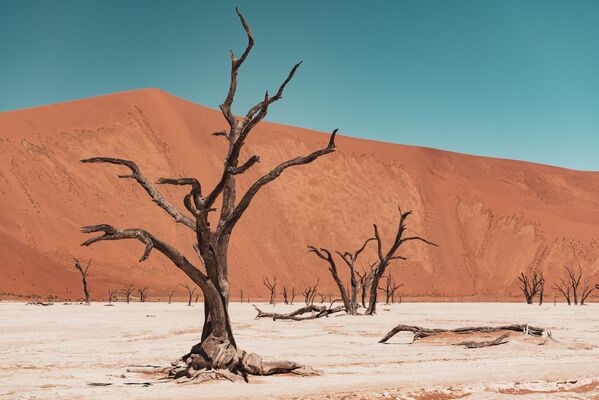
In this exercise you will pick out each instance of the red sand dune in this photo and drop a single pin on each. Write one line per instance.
(492, 218)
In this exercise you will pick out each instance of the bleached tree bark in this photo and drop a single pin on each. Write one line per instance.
(272, 288)
(217, 348)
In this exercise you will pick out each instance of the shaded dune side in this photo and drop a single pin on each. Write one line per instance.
(492, 217)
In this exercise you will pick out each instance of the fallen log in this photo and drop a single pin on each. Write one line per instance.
(298, 315)
(420, 332)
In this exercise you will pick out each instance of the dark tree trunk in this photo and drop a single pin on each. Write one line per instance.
(386, 259)
(83, 272)
(217, 348)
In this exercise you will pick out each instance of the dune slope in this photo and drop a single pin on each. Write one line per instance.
(492, 218)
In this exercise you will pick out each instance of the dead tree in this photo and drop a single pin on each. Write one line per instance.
(171, 293)
(190, 291)
(385, 259)
(310, 292)
(531, 284)
(272, 287)
(349, 297)
(83, 272)
(564, 288)
(541, 288)
(128, 291)
(142, 294)
(420, 333)
(390, 288)
(364, 279)
(111, 295)
(292, 295)
(285, 295)
(217, 348)
(572, 285)
(587, 289)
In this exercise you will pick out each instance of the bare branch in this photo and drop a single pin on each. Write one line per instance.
(156, 196)
(230, 222)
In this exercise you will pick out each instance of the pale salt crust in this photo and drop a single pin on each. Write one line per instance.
(57, 351)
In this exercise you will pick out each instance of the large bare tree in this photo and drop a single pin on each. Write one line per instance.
(217, 348)
(531, 284)
(574, 288)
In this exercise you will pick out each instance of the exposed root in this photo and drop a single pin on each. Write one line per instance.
(420, 332)
(298, 315)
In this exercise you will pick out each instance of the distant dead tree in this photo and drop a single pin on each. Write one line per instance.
(217, 348)
(364, 279)
(285, 296)
(531, 284)
(111, 295)
(310, 292)
(190, 291)
(570, 286)
(390, 288)
(197, 297)
(272, 287)
(128, 291)
(171, 293)
(292, 295)
(241, 295)
(142, 294)
(385, 259)
(83, 272)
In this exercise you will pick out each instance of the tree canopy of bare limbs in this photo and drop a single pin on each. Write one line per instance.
(531, 284)
(272, 288)
(128, 291)
(191, 289)
(374, 273)
(574, 287)
(170, 294)
(111, 295)
(83, 271)
(310, 292)
(390, 288)
(217, 348)
(143, 293)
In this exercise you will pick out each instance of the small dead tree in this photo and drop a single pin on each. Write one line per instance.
(128, 291)
(390, 288)
(564, 288)
(365, 278)
(241, 296)
(170, 293)
(292, 295)
(83, 272)
(348, 297)
(111, 295)
(571, 288)
(272, 287)
(385, 259)
(142, 294)
(531, 284)
(310, 292)
(190, 291)
(285, 295)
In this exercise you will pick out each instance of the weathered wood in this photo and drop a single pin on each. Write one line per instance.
(420, 332)
(217, 346)
(484, 343)
(313, 312)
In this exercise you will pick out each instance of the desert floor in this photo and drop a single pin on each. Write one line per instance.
(60, 351)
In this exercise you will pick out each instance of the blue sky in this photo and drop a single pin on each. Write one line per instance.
(508, 78)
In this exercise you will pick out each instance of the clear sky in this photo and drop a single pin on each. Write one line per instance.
(507, 78)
